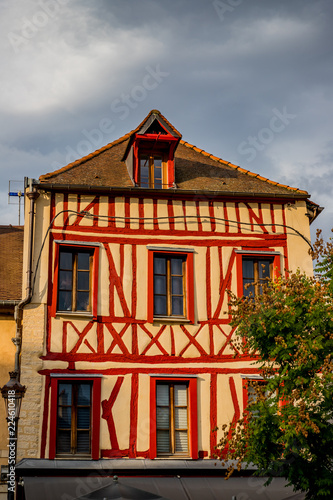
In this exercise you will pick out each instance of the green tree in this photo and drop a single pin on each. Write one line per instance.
(287, 430)
(323, 255)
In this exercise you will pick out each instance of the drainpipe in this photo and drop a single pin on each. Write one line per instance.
(32, 196)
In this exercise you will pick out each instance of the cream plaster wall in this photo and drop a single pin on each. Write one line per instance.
(296, 218)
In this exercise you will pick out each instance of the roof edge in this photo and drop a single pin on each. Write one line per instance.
(175, 191)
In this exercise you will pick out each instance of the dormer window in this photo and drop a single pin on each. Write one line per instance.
(150, 153)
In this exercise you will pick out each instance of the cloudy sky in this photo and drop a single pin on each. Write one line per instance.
(249, 81)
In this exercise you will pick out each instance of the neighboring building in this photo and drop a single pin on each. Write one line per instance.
(127, 350)
(11, 255)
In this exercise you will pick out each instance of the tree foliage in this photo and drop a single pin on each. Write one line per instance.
(287, 430)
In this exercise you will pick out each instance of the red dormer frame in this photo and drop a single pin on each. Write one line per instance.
(161, 145)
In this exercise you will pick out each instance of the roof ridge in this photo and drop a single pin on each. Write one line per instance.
(240, 169)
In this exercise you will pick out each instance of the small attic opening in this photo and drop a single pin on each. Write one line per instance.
(156, 128)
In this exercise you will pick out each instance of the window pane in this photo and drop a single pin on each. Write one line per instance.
(160, 305)
(65, 394)
(177, 266)
(158, 183)
(264, 269)
(66, 260)
(249, 289)
(64, 418)
(162, 395)
(163, 441)
(83, 396)
(181, 442)
(83, 442)
(162, 417)
(177, 306)
(251, 394)
(65, 301)
(64, 442)
(83, 418)
(157, 173)
(144, 162)
(248, 269)
(83, 261)
(65, 280)
(82, 301)
(181, 418)
(144, 172)
(180, 392)
(160, 285)
(177, 285)
(159, 265)
(83, 280)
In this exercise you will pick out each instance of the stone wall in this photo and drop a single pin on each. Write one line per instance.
(32, 349)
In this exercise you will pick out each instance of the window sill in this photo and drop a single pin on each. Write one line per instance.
(170, 319)
(74, 313)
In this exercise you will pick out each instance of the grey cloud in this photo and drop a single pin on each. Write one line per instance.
(225, 78)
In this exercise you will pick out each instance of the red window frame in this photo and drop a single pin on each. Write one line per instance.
(156, 145)
(94, 278)
(95, 413)
(260, 254)
(192, 412)
(189, 282)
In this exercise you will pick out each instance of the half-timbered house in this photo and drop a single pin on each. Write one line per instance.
(127, 352)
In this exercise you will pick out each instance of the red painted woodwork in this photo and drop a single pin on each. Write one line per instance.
(133, 415)
(45, 415)
(213, 412)
(107, 413)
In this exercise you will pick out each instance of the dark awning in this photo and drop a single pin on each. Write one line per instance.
(168, 488)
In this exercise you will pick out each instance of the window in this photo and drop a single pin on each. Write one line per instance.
(252, 390)
(255, 273)
(170, 286)
(75, 417)
(254, 267)
(152, 172)
(75, 282)
(173, 417)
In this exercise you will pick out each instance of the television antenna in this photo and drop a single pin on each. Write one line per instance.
(15, 196)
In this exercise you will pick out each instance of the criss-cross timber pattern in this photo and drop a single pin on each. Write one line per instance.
(107, 341)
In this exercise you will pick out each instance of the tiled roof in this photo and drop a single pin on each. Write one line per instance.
(195, 169)
(11, 254)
